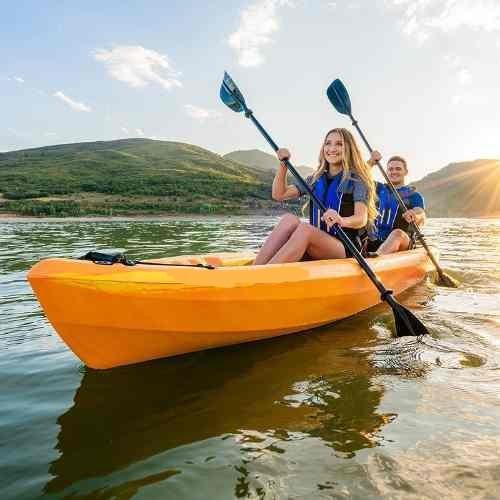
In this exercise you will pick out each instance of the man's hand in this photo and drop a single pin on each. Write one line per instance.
(374, 158)
(410, 216)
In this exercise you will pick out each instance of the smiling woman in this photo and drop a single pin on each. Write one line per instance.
(344, 184)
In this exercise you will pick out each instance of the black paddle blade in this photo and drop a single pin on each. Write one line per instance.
(231, 95)
(338, 96)
(447, 280)
(406, 322)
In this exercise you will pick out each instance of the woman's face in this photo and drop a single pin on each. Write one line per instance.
(333, 148)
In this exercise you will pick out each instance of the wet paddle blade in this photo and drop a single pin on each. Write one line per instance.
(447, 280)
(339, 97)
(231, 95)
(406, 322)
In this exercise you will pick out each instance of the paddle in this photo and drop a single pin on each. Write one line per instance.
(406, 322)
(339, 97)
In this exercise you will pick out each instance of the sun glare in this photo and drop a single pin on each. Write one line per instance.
(479, 185)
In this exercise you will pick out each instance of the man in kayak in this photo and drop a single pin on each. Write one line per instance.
(392, 229)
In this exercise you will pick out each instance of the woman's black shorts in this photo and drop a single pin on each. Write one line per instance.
(357, 243)
(371, 246)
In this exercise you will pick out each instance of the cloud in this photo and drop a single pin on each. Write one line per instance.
(464, 98)
(423, 17)
(50, 134)
(200, 114)
(464, 76)
(136, 132)
(453, 60)
(17, 79)
(138, 66)
(258, 22)
(77, 106)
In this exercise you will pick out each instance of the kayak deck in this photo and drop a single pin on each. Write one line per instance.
(117, 315)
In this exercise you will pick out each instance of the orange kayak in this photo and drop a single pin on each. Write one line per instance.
(117, 315)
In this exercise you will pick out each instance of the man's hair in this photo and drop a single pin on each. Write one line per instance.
(398, 158)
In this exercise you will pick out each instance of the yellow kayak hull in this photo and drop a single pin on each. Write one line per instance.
(118, 315)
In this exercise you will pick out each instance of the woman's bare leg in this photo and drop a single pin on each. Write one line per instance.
(397, 241)
(310, 239)
(278, 237)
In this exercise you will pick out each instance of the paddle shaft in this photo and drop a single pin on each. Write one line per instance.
(405, 321)
(384, 293)
(400, 201)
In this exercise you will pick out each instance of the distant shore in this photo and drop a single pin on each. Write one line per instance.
(11, 217)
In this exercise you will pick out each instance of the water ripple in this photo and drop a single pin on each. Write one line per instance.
(345, 411)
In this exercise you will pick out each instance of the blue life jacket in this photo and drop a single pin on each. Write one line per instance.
(389, 213)
(331, 193)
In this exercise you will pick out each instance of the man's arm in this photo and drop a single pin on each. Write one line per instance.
(417, 211)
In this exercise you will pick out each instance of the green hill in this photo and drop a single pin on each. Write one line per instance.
(128, 176)
(467, 189)
(263, 161)
(142, 176)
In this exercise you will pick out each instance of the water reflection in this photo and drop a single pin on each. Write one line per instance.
(140, 239)
(259, 395)
(302, 416)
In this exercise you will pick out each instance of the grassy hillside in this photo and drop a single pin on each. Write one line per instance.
(128, 176)
(142, 176)
(254, 158)
(467, 189)
(264, 161)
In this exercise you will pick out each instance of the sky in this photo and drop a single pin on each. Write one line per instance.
(423, 75)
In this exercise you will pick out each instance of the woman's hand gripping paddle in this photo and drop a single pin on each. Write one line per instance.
(339, 97)
(406, 322)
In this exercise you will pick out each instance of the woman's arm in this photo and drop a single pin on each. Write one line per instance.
(359, 219)
(356, 221)
(281, 190)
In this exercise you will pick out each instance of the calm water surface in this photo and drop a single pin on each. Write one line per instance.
(345, 411)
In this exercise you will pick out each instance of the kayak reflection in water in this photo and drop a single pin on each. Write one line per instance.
(343, 181)
(155, 423)
(392, 231)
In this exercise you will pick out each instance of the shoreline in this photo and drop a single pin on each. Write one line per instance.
(11, 217)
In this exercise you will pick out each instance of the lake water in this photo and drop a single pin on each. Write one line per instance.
(345, 411)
